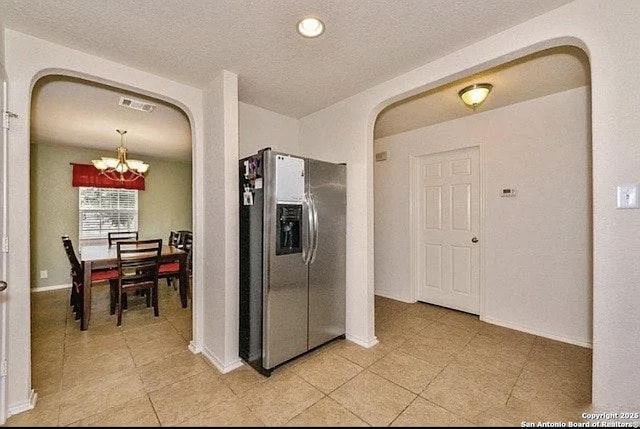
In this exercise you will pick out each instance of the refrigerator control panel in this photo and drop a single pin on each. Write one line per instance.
(289, 179)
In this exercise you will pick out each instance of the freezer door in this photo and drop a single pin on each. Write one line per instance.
(327, 284)
(285, 280)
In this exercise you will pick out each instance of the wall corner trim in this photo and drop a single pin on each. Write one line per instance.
(211, 357)
(23, 406)
(194, 347)
(362, 342)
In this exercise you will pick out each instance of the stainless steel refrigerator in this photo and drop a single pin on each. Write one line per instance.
(292, 256)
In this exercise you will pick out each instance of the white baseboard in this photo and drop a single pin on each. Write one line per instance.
(20, 407)
(195, 348)
(48, 288)
(575, 342)
(362, 342)
(394, 297)
(218, 364)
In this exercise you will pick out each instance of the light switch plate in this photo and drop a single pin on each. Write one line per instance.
(628, 196)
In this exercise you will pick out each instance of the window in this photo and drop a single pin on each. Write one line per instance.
(104, 210)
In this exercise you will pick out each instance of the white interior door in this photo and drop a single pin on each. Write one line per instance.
(3, 249)
(447, 259)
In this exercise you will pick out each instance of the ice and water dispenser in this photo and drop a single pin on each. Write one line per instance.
(288, 229)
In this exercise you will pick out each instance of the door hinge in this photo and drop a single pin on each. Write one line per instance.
(5, 119)
(3, 368)
(5, 244)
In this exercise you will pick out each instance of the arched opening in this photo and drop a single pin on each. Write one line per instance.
(72, 121)
(531, 265)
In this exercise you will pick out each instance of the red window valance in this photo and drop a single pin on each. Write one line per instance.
(88, 175)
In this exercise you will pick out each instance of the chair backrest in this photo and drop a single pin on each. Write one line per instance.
(174, 238)
(182, 233)
(76, 268)
(187, 240)
(138, 263)
(114, 237)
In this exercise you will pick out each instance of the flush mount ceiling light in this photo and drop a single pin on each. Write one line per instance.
(310, 27)
(115, 168)
(473, 95)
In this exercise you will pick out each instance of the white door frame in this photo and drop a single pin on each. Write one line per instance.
(3, 255)
(414, 161)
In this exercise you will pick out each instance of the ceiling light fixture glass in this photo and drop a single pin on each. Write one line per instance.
(115, 168)
(310, 27)
(473, 95)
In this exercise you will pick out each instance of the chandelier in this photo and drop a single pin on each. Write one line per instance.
(115, 168)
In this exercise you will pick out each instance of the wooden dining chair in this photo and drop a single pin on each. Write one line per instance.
(114, 237)
(171, 270)
(174, 238)
(77, 278)
(138, 266)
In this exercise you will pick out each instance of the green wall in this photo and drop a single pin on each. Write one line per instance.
(163, 206)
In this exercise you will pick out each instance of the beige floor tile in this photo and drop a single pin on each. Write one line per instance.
(242, 379)
(87, 371)
(86, 400)
(277, 401)
(552, 389)
(390, 340)
(405, 325)
(171, 369)
(45, 413)
(228, 413)
(405, 370)
(424, 413)
(138, 412)
(451, 338)
(462, 320)
(93, 340)
(481, 364)
(372, 398)
(429, 351)
(183, 325)
(327, 371)
(326, 412)
(151, 343)
(186, 398)
(522, 410)
(425, 311)
(491, 355)
(359, 355)
(468, 392)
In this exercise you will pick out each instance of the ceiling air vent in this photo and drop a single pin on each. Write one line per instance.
(136, 104)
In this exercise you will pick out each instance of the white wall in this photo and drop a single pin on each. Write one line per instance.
(537, 246)
(27, 59)
(261, 128)
(604, 30)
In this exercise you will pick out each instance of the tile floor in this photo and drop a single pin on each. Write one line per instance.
(433, 366)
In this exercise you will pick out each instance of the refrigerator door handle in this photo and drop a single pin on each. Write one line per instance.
(315, 229)
(306, 247)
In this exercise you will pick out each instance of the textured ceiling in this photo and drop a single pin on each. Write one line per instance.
(366, 41)
(73, 112)
(537, 75)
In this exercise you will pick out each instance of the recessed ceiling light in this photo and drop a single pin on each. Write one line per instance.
(310, 27)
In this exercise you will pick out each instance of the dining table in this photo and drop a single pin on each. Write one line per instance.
(103, 256)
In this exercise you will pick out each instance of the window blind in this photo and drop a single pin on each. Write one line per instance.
(105, 210)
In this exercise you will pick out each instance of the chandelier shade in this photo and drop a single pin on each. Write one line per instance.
(115, 168)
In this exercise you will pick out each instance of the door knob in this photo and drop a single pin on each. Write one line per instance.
(474, 240)
(3, 285)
